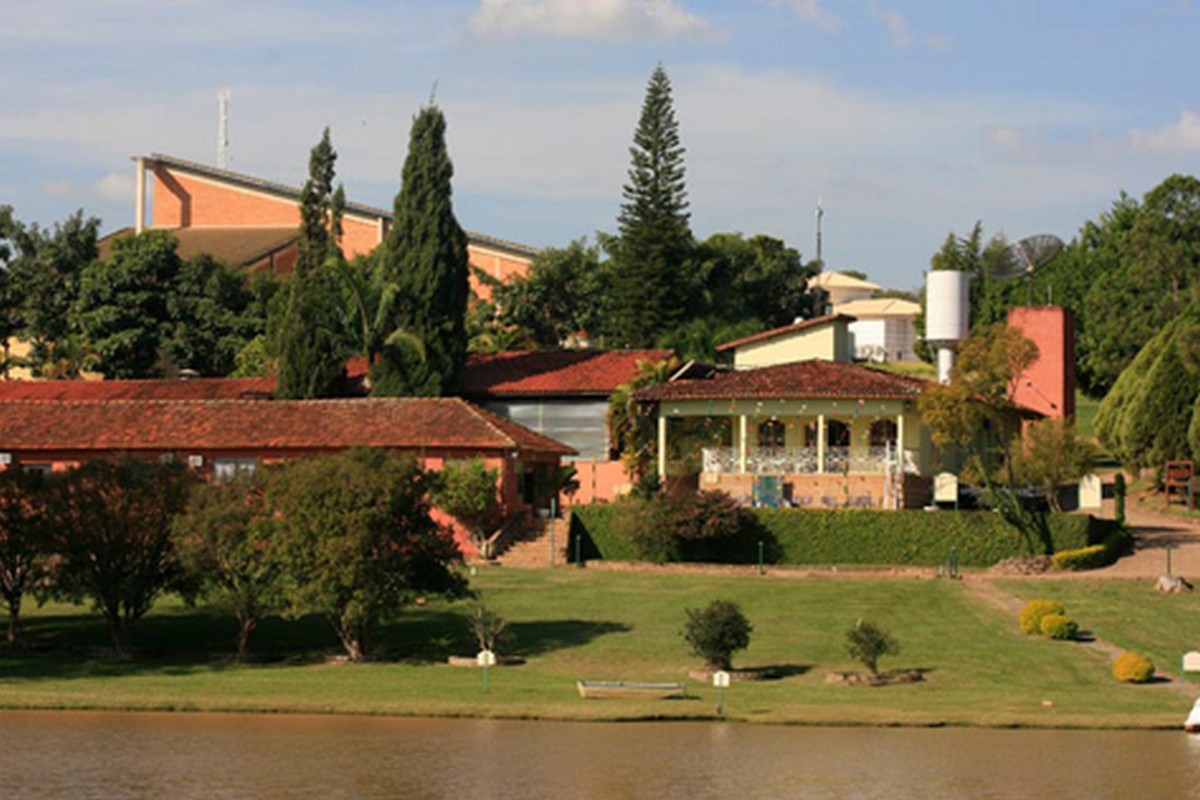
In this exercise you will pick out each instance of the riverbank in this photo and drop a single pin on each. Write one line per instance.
(569, 624)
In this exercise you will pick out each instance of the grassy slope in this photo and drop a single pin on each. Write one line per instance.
(578, 624)
(1127, 613)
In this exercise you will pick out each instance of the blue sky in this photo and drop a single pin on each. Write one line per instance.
(909, 119)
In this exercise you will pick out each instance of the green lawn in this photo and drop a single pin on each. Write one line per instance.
(572, 624)
(1127, 613)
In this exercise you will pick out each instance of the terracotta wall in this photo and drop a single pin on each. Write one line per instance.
(180, 200)
(1048, 385)
(599, 482)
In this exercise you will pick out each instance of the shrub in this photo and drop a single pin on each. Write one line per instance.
(1059, 626)
(1035, 611)
(717, 632)
(866, 643)
(1093, 557)
(1132, 668)
(692, 527)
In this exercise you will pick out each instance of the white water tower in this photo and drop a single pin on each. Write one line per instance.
(947, 315)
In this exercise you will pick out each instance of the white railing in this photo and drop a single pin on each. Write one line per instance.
(801, 460)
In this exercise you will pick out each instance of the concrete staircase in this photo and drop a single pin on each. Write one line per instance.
(532, 550)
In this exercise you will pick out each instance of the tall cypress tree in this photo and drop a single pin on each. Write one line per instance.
(654, 240)
(425, 258)
(306, 329)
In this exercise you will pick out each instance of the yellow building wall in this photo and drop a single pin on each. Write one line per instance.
(827, 342)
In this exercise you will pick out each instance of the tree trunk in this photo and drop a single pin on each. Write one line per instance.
(118, 631)
(354, 641)
(246, 625)
(14, 624)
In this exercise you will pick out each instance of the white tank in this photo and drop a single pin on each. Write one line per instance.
(947, 306)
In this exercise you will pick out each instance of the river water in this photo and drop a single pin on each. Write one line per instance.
(106, 755)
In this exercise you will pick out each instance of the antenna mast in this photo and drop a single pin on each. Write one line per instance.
(820, 214)
(223, 128)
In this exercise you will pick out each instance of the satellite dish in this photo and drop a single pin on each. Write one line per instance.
(1028, 256)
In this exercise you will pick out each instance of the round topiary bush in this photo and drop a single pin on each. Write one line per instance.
(1035, 611)
(717, 632)
(1132, 668)
(1059, 626)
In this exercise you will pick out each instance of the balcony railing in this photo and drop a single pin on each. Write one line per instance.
(801, 460)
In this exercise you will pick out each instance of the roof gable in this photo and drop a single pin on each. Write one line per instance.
(553, 372)
(815, 378)
(260, 425)
(786, 330)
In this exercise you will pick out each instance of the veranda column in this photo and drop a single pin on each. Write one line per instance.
(742, 444)
(662, 449)
(899, 477)
(821, 443)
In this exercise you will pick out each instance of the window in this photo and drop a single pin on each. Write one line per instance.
(228, 469)
(837, 433)
(41, 469)
(771, 434)
(883, 433)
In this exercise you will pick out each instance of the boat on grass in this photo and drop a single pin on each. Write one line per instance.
(1192, 724)
(625, 690)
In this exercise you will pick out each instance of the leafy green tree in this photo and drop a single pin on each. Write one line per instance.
(214, 313)
(24, 542)
(122, 309)
(973, 417)
(308, 327)
(1156, 244)
(356, 542)
(425, 257)
(866, 643)
(467, 490)
(654, 243)
(43, 269)
(563, 296)
(112, 536)
(716, 632)
(1053, 454)
(631, 424)
(225, 542)
(758, 277)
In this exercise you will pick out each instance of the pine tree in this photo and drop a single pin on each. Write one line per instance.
(306, 330)
(425, 258)
(654, 240)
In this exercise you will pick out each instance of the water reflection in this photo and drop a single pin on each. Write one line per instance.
(86, 755)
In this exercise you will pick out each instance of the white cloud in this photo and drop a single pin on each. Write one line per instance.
(897, 27)
(1180, 138)
(603, 20)
(813, 12)
(112, 187)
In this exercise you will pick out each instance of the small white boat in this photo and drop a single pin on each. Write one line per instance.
(601, 690)
(1192, 725)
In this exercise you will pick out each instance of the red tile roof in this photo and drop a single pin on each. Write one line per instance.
(191, 389)
(553, 372)
(812, 378)
(259, 425)
(786, 329)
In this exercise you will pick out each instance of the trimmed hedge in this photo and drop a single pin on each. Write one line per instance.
(1093, 557)
(1132, 668)
(855, 536)
(1059, 626)
(1037, 610)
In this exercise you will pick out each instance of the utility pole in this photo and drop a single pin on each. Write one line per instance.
(820, 214)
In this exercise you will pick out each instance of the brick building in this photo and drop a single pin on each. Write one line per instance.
(253, 223)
